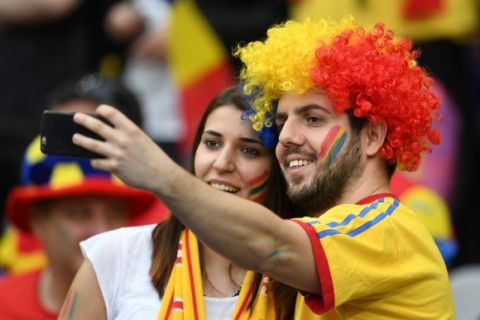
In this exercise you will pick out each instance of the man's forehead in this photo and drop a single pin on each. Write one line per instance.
(291, 102)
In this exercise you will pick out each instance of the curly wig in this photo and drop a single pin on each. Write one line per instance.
(373, 72)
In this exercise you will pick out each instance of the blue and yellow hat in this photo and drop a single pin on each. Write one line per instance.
(48, 177)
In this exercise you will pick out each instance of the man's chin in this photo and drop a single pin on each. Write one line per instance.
(296, 181)
(297, 191)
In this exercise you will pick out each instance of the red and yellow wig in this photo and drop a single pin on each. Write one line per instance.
(373, 72)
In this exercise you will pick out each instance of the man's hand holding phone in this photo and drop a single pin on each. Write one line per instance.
(57, 129)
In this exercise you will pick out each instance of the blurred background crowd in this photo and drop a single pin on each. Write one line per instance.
(161, 61)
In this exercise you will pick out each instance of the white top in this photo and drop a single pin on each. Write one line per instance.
(121, 259)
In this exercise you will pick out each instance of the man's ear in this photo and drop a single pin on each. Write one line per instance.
(373, 137)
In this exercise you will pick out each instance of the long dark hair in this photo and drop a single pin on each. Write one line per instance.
(166, 234)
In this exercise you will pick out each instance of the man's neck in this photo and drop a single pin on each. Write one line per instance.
(372, 181)
(53, 287)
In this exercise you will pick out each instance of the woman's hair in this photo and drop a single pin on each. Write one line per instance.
(166, 234)
(372, 72)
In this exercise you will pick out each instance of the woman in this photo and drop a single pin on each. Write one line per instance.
(137, 273)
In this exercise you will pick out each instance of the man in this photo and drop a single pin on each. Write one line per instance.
(350, 105)
(21, 252)
(62, 201)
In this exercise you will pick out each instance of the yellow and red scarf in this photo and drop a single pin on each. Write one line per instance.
(183, 298)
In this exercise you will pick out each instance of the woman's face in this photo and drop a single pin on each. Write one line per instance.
(230, 157)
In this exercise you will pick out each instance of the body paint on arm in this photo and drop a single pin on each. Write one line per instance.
(69, 307)
(277, 250)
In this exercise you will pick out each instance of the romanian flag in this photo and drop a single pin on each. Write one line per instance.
(199, 63)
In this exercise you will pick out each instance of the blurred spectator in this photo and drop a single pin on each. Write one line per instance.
(21, 252)
(142, 25)
(428, 190)
(85, 93)
(439, 168)
(28, 11)
(431, 209)
(62, 201)
(42, 43)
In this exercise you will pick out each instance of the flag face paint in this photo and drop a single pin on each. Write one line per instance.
(258, 187)
(64, 236)
(332, 144)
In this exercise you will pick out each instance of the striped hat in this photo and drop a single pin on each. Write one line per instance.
(48, 177)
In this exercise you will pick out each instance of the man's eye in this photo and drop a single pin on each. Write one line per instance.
(78, 213)
(314, 119)
(279, 126)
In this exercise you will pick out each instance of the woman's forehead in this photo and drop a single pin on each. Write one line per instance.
(229, 119)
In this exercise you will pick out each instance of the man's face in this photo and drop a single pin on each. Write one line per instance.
(317, 150)
(62, 223)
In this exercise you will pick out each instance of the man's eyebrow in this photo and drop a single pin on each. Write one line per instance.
(302, 109)
(310, 107)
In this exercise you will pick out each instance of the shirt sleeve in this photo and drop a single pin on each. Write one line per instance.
(323, 302)
(356, 251)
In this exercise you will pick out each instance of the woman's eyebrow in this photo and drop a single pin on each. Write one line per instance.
(213, 133)
(251, 140)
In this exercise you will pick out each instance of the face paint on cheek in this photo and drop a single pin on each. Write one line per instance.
(65, 238)
(258, 187)
(332, 144)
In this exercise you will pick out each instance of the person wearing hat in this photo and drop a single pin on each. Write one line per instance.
(22, 252)
(62, 200)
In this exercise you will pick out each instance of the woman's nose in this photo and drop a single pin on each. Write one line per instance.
(225, 161)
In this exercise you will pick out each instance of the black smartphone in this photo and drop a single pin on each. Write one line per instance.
(56, 131)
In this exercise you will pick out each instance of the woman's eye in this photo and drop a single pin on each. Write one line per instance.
(251, 151)
(210, 143)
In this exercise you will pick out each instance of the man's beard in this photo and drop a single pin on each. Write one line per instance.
(329, 183)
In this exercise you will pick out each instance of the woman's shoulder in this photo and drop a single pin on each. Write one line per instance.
(118, 240)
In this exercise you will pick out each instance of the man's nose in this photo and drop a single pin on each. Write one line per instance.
(105, 221)
(290, 134)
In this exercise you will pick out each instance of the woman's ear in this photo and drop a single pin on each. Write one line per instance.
(373, 136)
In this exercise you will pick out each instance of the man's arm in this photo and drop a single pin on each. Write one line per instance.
(32, 11)
(246, 233)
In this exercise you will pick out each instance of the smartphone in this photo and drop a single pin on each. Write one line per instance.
(56, 131)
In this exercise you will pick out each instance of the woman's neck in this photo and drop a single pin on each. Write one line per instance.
(220, 277)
